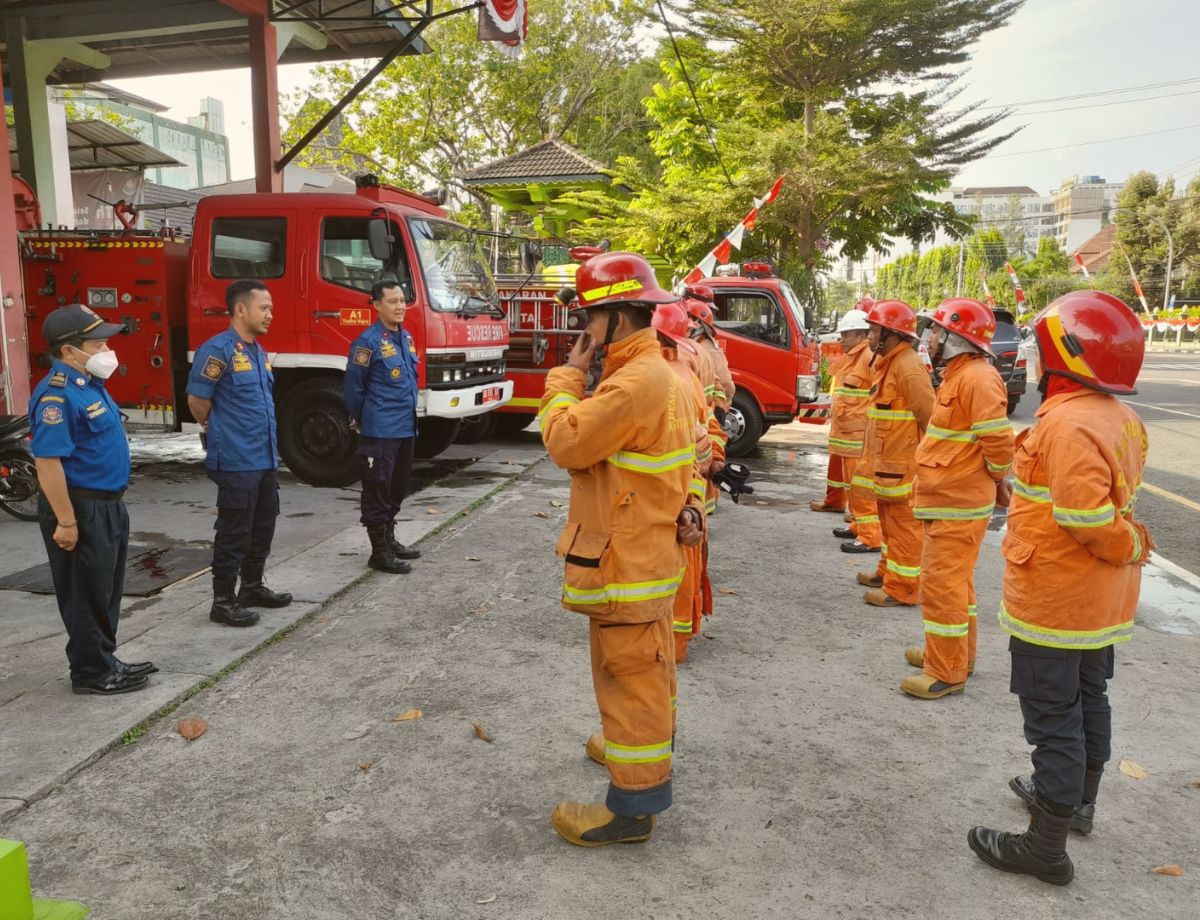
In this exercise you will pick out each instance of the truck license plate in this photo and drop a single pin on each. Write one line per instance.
(492, 394)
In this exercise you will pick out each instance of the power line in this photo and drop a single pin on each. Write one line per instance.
(1100, 105)
(1103, 140)
(1104, 92)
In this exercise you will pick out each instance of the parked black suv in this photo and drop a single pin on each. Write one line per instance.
(1007, 346)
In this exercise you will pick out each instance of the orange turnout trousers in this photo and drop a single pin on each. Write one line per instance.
(900, 552)
(836, 482)
(948, 588)
(863, 509)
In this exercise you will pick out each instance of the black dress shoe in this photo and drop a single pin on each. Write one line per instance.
(256, 594)
(843, 533)
(137, 668)
(115, 682)
(855, 547)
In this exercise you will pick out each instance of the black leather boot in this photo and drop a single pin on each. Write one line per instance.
(1041, 851)
(382, 558)
(256, 594)
(1085, 812)
(399, 550)
(225, 608)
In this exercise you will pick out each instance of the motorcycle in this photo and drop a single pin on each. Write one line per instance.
(18, 474)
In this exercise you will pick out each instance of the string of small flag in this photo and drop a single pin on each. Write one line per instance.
(721, 253)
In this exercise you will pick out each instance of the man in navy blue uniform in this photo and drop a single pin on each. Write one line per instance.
(83, 467)
(230, 395)
(380, 391)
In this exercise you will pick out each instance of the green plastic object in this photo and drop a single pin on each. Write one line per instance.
(16, 898)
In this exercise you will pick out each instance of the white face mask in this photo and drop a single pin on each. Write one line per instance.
(102, 364)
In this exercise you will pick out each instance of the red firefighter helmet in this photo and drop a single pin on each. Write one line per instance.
(865, 304)
(698, 310)
(894, 315)
(671, 321)
(968, 318)
(1092, 337)
(619, 279)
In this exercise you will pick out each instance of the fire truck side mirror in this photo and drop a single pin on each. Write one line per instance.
(380, 240)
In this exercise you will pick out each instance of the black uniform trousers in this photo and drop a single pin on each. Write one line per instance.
(385, 466)
(1064, 700)
(88, 580)
(247, 506)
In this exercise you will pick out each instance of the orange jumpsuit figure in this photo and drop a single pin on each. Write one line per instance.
(631, 452)
(850, 399)
(901, 404)
(967, 450)
(1073, 554)
(698, 305)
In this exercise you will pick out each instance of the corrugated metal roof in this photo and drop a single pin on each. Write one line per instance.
(548, 160)
(95, 144)
(991, 191)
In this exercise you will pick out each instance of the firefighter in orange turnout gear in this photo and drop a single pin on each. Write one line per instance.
(901, 404)
(692, 601)
(698, 305)
(851, 397)
(961, 464)
(631, 450)
(1073, 555)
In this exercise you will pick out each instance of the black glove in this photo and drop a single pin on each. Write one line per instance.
(733, 480)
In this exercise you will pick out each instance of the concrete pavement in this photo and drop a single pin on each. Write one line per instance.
(807, 784)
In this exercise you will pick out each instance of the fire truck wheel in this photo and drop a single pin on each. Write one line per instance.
(434, 435)
(314, 434)
(509, 424)
(743, 424)
(474, 428)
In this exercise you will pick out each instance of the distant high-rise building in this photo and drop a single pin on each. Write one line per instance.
(1017, 211)
(1082, 206)
(211, 117)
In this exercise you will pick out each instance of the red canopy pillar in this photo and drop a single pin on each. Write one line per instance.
(264, 93)
(14, 350)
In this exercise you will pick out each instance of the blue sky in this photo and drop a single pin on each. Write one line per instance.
(1051, 48)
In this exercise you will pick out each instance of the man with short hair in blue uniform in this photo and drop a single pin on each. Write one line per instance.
(380, 391)
(82, 458)
(230, 393)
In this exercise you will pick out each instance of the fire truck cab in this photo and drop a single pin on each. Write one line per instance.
(319, 255)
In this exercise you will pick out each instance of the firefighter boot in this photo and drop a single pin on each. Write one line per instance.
(382, 558)
(1041, 851)
(870, 580)
(927, 687)
(596, 826)
(821, 506)
(225, 608)
(595, 748)
(399, 550)
(1085, 812)
(857, 546)
(877, 597)
(915, 655)
(843, 533)
(254, 593)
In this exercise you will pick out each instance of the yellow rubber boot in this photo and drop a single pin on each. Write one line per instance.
(915, 655)
(927, 687)
(596, 826)
(595, 748)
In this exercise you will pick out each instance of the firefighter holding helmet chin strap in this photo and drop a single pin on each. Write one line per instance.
(901, 404)
(961, 464)
(1073, 571)
(631, 449)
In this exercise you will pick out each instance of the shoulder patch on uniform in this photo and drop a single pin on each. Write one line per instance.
(57, 379)
(213, 368)
(52, 415)
(50, 398)
(362, 356)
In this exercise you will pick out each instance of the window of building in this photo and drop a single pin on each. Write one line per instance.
(751, 314)
(249, 247)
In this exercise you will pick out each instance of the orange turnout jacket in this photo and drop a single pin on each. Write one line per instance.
(1073, 548)
(851, 399)
(901, 404)
(968, 444)
(631, 451)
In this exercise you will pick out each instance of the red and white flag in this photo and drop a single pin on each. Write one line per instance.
(987, 290)
(722, 252)
(1083, 268)
(1012, 273)
(1137, 285)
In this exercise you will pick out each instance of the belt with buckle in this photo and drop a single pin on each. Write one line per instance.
(95, 494)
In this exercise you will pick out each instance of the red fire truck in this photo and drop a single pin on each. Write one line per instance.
(318, 254)
(761, 325)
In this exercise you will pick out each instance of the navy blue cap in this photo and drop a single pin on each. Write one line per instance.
(75, 321)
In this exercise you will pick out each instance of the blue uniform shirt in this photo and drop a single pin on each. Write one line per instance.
(380, 387)
(72, 417)
(237, 377)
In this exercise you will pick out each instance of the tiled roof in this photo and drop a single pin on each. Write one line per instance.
(1096, 251)
(547, 160)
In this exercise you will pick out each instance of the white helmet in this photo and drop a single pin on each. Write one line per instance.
(853, 321)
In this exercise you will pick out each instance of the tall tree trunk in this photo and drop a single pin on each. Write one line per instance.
(805, 243)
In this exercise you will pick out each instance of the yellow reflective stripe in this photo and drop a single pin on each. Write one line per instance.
(1064, 638)
(608, 290)
(992, 424)
(654, 463)
(954, 514)
(1082, 517)
(863, 482)
(949, 630)
(867, 519)
(559, 399)
(1137, 545)
(834, 484)
(972, 610)
(718, 394)
(851, 392)
(904, 571)
(997, 467)
(642, 753)
(674, 703)
(697, 488)
(948, 434)
(893, 491)
(1127, 508)
(1039, 494)
(891, 415)
(710, 506)
(682, 626)
(845, 444)
(623, 593)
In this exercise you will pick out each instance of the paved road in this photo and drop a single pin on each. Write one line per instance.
(1168, 400)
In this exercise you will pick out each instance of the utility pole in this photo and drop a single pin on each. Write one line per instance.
(962, 257)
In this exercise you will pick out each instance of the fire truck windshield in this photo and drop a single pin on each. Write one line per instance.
(454, 268)
(794, 305)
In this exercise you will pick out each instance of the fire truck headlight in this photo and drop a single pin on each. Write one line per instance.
(806, 388)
